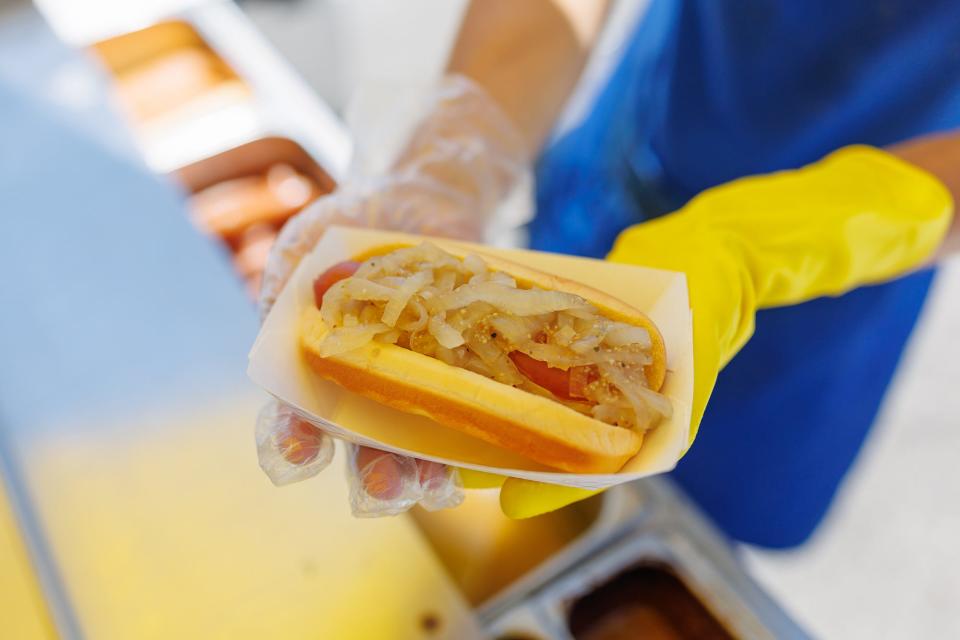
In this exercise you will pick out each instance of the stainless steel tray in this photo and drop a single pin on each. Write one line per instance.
(622, 509)
(276, 102)
(669, 531)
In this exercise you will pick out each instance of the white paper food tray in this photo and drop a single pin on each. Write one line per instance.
(277, 366)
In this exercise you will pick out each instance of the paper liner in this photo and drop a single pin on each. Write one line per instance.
(276, 364)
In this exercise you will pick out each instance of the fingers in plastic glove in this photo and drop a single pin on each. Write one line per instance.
(288, 448)
(381, 483)
(467, 142)
(418, 204)
(521, 499)
(386, 484)
(441, 486)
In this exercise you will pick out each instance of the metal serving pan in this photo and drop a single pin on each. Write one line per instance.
(620, 509)
(670, 534)
(214, 107)
(242, 88)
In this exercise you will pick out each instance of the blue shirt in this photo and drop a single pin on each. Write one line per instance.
(711, 90)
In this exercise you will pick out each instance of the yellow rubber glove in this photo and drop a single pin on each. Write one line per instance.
(859, 216)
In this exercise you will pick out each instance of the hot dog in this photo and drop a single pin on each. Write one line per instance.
(540, 365)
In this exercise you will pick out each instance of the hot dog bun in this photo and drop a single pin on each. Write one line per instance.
(536, 427)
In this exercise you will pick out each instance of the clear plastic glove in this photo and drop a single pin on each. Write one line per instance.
(383, 483)
(857, 217)
(290, 449)
(460, 162)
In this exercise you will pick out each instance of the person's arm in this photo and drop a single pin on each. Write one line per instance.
(531, 84)
(527, 55)
(939, 154)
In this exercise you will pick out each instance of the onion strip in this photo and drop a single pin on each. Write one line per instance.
(399, 301)
(520, 302)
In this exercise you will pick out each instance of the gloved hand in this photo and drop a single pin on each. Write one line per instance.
(461, 160)
(859, 216)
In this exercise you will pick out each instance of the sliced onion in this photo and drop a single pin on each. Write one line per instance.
(343, 339)
(361, 289)
(589, 325)
(514, 330)
(447, 281)
(503, 370)
(447, 355)
(474, 264)
(446, 335)
(621, 335)
(473, 363)
(485, 348)
(554, 355)
(502, 278)
(352, 307)
(564, 335)
(388, 337)
(370, 268)
(590, 315)
(402, 296)
(471, 316)
(401, 259)
(615, 414)
(644, 401)
(489, 352)
(586, 344)
(656, 401)
(630, 358)
(369, 314)
(419, 322)
(521, 302)
(423, 342)
(642, 415)
(331, 309)
(605, 393)
(433, 304)
(394, 282)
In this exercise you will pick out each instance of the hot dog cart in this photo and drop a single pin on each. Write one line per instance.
(149, 163)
